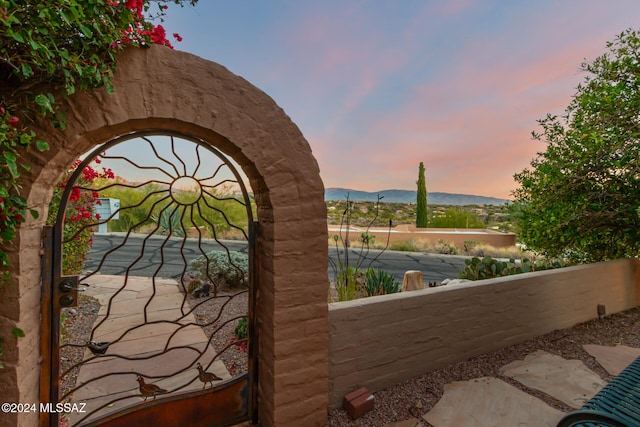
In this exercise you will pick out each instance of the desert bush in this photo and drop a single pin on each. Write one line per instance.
(480, 250)
(379, 282)
(367, 239)
(456, 217)
(445, 248)
(470, 245)
(404, 245)
(231, 267)
(193, 284)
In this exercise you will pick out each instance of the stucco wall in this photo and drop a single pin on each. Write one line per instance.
(381, 341)
(164, 90)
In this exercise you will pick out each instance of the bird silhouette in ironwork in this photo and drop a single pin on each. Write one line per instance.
(206, 377)
(148, 390)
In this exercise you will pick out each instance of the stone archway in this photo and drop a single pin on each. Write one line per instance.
(160, 89)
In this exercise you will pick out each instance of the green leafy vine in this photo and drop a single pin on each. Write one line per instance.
(48, 51)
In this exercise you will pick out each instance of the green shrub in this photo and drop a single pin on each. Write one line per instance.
(367, 239)
(233, 268)
(379, 282)
(347, 283)
(242, 329)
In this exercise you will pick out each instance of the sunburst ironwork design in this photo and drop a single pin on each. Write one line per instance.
(179, 199)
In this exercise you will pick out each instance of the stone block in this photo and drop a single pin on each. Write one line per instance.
(412, 281)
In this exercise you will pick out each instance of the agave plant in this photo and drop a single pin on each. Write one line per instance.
(379, 282)
(169, 222)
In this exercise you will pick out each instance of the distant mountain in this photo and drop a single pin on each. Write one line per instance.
(408, 196)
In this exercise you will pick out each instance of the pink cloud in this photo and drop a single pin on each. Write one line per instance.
(470, 121)
(474, 132)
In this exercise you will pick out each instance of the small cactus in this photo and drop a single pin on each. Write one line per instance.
(488, 267)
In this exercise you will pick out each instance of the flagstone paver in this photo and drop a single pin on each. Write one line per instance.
(613, 359)
(172, 346)
(569, 381)
(490, 402)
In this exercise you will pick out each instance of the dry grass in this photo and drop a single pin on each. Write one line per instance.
(447, 248)
(484, 249)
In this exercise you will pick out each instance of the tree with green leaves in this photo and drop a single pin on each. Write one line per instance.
(580, 198)
(421, 203)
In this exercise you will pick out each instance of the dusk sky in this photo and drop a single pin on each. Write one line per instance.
(377, 87)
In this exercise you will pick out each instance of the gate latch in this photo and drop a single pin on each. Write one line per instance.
(67, 292)
(68, 286)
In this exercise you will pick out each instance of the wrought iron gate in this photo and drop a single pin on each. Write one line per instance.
(140, 336)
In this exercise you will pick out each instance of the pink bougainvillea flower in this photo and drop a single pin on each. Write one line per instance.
(75, 195)
(159, 36)
(135, 6)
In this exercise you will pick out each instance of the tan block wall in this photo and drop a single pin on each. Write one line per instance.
(434, 235)
(381, 341)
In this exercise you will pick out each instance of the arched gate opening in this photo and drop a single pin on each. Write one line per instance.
(175, 93)
(143, 325)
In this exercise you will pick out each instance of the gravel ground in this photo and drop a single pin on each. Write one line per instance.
(77, 323)
(219, 317)
(418, 396)
(412, 398)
